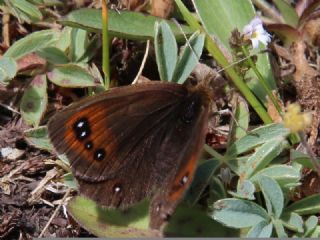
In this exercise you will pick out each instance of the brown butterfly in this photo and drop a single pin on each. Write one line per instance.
(135, 142)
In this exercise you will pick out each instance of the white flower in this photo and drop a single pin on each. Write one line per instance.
(255, 32)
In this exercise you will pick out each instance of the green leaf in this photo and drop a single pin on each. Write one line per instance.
(192, 222)
(166, 50)
(262, 157)
(308, 205)
(257, 137)
(33, 42)
(292, 221)
(245, 189)
(311, 225)
(104, 222)
(301, 158)
(79, 43)
(238, 213)
(38, 137)
(284, 175)
(53, 55)
(8, 69)
(34, 101)
(287, 12)
(71, 75)
(228, 15)
(261, 230)
(188, 58)
(201, 179)
(272, 194)
(123, 24)
(279, 229)
(69, 180)
(29, 9)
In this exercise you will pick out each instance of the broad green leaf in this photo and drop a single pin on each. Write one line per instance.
(279, 229)
(104, 222)
(123, 24)
(273, 195)
(292, 221)
(71, 75)
(308, 205)
(79, 43)
(220, 18)
(64, 41)
(166, 50)
(262, 157)
(217, 190)
(8, 69)
(283, 174)
(261, 230)
(53, 55)
(257, 137)
(238, 213)
(33, 42)
(188, 58)
(245, 190)
(38, 137)
(27, 8)
(287, 12)
(316, 233)
(201, 180)
(34, 101)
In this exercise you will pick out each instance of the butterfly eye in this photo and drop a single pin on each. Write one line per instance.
(81, 128)
(99, 154)
(117, 188)
(88, 145)
(184, 180)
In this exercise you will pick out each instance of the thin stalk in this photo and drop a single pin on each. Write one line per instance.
(105, 45)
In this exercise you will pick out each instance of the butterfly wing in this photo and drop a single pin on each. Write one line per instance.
(133, 142)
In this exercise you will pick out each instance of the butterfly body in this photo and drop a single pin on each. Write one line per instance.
(134, 142)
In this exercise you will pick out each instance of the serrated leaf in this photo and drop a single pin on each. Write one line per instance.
(238, 213)
(292, 221)
(273, 195)
(283, 174)
(188, 58)
(38, 137)
(8, 69)
(71, 75)
(33, 42)
(257, 137)
(166, 50)
(308, 205)
(262, 157)
(34, 101)
(261, 230)
(123, 24)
